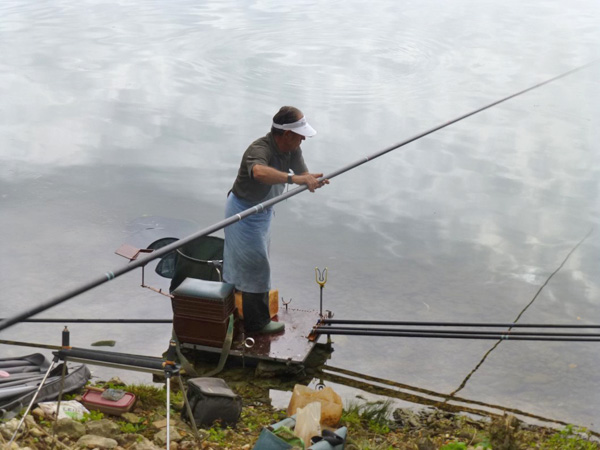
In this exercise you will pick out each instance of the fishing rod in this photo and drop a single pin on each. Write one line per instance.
(140, 262)
(537, 294)
(30, 344)
(451, 324)
(97, 320)
(446, 335)
(475, 332)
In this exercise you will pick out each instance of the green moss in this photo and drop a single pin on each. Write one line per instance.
(150, 397)
(92, 415)
(570, 438)
(454, 446)
(136, 428)
(217, 435)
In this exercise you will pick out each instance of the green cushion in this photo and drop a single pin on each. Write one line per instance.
(196, 288)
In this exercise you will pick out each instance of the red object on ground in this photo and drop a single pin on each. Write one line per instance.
(94, 400)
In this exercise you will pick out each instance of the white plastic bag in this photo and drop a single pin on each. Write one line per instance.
(331, 403)
(308, 422)
(71, 409)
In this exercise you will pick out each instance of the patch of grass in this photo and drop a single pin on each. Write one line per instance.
(92, 415)
(378, 411)
(372, 413)
(45, 423)
(256, 419)
(127, 427)
(217, 435)
(150, 397)
(454, 446)
(378, 427)
(363, 443)
(373, 418)
(485, 445)
(351, 415)
(570, 438)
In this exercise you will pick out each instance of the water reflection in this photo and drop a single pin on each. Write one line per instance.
(115, 112)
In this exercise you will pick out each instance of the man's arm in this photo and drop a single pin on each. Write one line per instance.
(269, 175)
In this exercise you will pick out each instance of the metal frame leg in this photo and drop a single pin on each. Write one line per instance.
(62, 387)
(189, 410)
(168, 382)
(169, 372)
(54, 361)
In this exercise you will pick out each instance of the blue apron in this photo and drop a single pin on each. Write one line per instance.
(246, 253)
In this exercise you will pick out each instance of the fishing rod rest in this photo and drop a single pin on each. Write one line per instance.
(321, 278)
(171, 355)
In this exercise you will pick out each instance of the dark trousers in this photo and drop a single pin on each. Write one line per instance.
(256, 311)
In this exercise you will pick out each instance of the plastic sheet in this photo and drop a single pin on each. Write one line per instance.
(331, 403)
(68, 409)
(308, 422)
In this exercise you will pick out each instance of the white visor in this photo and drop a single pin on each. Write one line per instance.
(300, 127)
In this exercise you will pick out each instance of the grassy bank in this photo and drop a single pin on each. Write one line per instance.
(371, 425)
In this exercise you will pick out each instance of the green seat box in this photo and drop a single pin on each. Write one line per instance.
(197, 298)
(201, 311)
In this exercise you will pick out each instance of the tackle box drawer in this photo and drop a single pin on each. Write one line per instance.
(201, 331)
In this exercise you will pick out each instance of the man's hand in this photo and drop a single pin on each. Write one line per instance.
(311, 180)
(269, 175)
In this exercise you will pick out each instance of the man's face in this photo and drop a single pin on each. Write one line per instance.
(291, 140)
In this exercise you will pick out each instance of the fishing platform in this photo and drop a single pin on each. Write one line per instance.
(292, 346)
(208, 313)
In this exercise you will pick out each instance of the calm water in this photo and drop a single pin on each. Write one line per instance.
(125, 121)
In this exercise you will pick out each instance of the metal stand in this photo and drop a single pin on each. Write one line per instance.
(321, 278)
(62, 386)
(171, 369)
(168, 406)
(108, 359)
(54, 361)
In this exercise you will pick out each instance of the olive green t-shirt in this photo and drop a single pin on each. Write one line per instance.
(264, 151)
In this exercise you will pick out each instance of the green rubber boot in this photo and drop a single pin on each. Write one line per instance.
(272, 327)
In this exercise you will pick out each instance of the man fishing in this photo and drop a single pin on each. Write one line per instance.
(263, 172)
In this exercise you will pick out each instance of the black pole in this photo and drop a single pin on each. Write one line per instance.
(111, 275)
(96, 320)
(30, 344)
(465, 332)
(451, 324)
(498, 336)
(148, 362)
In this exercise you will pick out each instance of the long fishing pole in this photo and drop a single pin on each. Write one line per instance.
(111, 275)
(451, 324)
(464, 332)
(30, 344)
(537, 294)
(441, 335)
(142, 321)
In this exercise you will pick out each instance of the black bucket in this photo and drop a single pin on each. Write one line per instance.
(202, 258)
